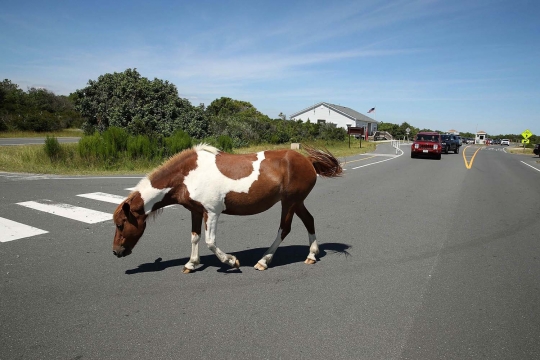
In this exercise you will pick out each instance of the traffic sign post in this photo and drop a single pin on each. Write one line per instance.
(526, 135)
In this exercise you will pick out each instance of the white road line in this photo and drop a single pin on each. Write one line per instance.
(11, 230)
(531, 166)
(115, 199)
(378, 162)
(383, 155)
(69, 211)
(110, 198)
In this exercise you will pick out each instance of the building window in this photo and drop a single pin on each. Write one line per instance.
(320, 121)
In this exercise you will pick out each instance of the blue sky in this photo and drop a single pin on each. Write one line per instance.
(450, 64)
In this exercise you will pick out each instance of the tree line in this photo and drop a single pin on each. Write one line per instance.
(35, 110)
(153, 108)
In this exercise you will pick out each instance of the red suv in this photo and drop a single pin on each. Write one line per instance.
(427, 143)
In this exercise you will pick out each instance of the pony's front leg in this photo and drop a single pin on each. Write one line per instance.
(211, 220)
(194, 260)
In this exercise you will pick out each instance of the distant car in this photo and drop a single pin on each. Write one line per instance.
(460, 141)
(427, 144)
(505, 142)
(536, 149)
(470, 141)
(449, 142)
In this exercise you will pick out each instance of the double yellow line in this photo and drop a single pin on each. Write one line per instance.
(468, 164)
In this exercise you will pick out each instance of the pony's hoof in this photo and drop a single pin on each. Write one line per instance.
(310, 261)
(236, 264)
(185, 270)
(260, 266)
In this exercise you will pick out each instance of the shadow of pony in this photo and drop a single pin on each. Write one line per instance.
(285, 255)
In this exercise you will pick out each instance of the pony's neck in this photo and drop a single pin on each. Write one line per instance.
(151, 196)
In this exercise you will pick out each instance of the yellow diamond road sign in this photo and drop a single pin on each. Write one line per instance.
(527, 134)
(525, 141)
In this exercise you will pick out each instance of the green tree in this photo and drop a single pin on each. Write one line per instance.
(35, 110)
(225, 106)
(139, 105)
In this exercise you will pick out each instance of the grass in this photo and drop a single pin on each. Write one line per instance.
(33, 159)
(339, 149)
(521, 151)
(31, 134)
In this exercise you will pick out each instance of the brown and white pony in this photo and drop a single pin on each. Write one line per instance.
(209, 182)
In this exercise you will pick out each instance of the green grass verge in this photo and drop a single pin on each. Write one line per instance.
(33, 159)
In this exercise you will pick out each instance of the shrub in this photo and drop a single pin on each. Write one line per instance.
(225, 143)
(177, 142)
(91, 146)
(52, 148)
(141, 146)
(107, 146)
(115, 141)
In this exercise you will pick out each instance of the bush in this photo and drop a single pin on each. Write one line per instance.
(225, 143)
(52, 148)
(106, 146)
(91, 146)
(177, 142)
(141, 146)
(115, 141)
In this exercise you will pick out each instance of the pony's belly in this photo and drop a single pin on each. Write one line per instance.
(247, 204)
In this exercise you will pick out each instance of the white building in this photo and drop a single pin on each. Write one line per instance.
(340, 115)
(480, 137)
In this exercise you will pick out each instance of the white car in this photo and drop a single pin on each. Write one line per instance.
(505, 142)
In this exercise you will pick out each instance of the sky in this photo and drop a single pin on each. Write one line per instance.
(467, 65)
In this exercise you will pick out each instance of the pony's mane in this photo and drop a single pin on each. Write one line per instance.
(168, 165)
(206, 147)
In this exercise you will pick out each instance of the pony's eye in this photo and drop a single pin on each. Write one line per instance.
(120, 227)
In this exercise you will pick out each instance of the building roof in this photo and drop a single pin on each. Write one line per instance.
(348, 112)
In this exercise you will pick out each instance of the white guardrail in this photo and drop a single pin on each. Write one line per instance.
(396, 144)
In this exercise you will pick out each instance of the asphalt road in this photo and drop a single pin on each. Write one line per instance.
(35, 141)
(421, 259)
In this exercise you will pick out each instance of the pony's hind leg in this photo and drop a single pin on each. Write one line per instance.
(194, 260)
(287, 213)
(309, 223)
(211, 220)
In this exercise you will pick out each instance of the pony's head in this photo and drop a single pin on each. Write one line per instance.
(130, 221)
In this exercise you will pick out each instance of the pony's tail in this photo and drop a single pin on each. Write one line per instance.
(325, 164)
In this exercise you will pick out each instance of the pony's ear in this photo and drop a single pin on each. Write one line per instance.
(125, 207)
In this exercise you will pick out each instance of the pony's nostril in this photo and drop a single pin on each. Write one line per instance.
(115, 253)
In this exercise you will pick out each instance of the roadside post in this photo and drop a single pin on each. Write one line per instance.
(355, 130)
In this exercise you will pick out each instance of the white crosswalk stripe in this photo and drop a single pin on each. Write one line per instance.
(110, 198)
(12, 230)
(88, 216)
